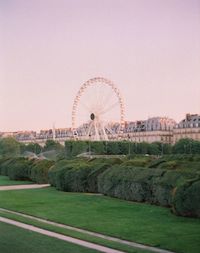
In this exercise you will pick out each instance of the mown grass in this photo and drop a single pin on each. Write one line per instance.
(142, 223)
(18, 240)
(4, 181)
(75, 234)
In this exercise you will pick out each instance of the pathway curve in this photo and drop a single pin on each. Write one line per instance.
(109, 238)
(21, 187)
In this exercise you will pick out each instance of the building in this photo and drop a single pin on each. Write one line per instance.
(156, 129)
(187, 128)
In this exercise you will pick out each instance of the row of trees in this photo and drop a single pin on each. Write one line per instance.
(9, 146)
(184, 146)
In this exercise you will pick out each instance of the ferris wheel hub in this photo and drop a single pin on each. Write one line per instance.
(92, 116)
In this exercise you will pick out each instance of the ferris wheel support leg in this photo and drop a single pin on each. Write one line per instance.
(97, 137)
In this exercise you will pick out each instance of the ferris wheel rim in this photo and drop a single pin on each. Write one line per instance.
(92, 82)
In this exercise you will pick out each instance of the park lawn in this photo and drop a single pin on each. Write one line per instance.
(4, 181)
(19, 240)
(74, 234)
(142, 223)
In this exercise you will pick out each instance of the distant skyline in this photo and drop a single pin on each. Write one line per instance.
(48, 48)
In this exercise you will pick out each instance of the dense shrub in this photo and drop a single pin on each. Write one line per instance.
(186, 199)
(139, 161)
(141, 184)
(70, 176)
(19, 169)
(97, 169)
(79, 175)
(155, 163)
(4, 164)
(39, 171)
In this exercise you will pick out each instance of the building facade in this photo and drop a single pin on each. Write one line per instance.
(156, 129)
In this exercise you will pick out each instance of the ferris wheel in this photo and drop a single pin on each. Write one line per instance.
(98, 111)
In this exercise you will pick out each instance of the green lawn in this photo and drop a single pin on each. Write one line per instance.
(18, 240)
(142, 223)
(75, 234)
(6, 181)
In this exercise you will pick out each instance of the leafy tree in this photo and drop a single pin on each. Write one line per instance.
(183, 146)
(52, 145)
(68, 148)
(97, 147)
(153, 149)
(195, 147)
(74, 148)
(142, 148)
(33, 147)
(113, 148)
(9, 147)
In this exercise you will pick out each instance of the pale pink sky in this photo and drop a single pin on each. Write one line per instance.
(48, 48)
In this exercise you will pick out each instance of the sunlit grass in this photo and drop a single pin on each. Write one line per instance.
(142, 223)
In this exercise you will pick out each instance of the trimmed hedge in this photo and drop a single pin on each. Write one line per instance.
(186, 199)
(154, 186)
(79, 175)
(21, 168)
(39, 171)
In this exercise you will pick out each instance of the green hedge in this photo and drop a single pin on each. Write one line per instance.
(39, 171)
(141, 184)
(186, 199)
(79, 175)
(69, 176)
(4, 164)
(21, 168)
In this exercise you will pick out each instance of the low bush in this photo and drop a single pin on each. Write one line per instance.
(19, 169)
(4, 164)
(186, 199)
(79, 175)
(155, 163)
(39, 171)
(141, 184)
(139, 161)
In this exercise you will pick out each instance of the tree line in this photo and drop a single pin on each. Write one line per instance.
(10, 147)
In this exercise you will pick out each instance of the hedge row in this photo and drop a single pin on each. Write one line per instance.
(26, 169)
(155, 186)
(79, 175)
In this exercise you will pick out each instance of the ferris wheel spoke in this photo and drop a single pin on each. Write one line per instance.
(106, 97)
(85, 106)
(111, 107)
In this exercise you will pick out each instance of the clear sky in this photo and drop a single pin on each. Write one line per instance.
(149, 48)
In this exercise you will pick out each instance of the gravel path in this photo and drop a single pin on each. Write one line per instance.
(109, 238)
(20, 187)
